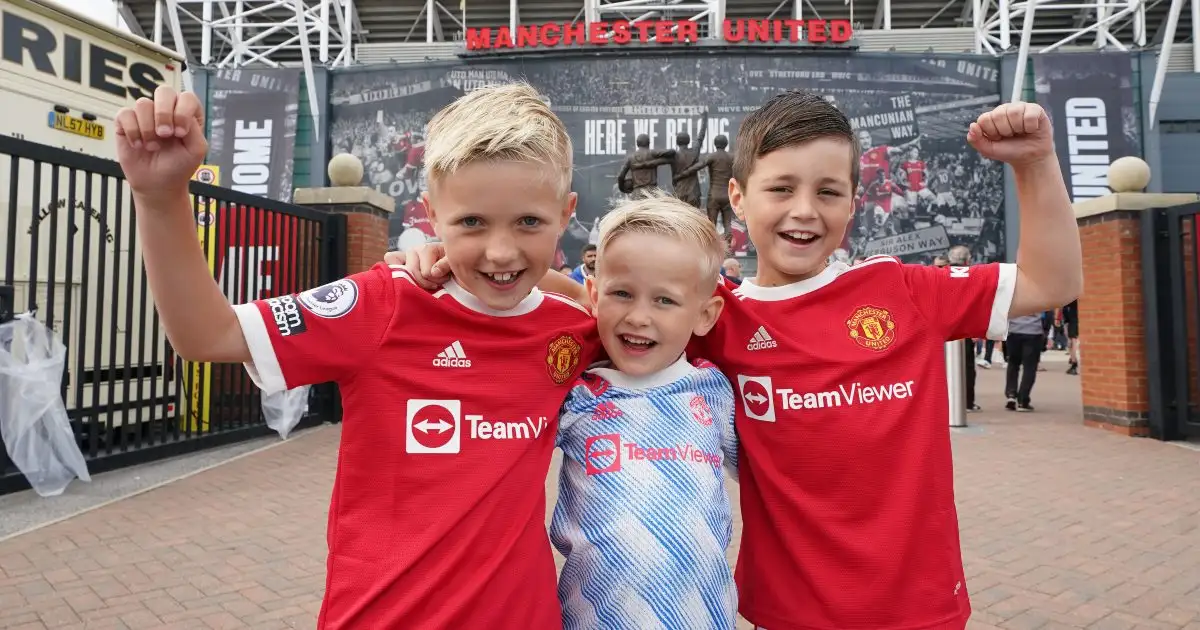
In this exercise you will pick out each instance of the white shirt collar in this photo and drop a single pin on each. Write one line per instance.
(748, 288)
(677, 370)
(464, 297)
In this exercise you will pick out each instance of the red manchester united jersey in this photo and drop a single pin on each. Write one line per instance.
(450, 410)
(872, 161)
(915, 172)
(877, 191)
(846, 476)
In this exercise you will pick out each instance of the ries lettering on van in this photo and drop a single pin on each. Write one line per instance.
(25, 42)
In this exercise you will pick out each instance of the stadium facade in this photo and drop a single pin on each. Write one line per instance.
(1123, 76)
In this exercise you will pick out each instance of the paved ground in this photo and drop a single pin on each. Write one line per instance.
(24, 510)
(1063, 527)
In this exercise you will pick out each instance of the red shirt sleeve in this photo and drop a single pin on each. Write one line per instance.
(964, 302)
(321, 335)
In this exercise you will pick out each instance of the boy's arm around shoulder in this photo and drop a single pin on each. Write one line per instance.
(579, 401)
(718, 393)
(556, 282)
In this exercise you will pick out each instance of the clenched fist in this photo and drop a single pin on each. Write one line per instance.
(160, 142)
(1015, 133)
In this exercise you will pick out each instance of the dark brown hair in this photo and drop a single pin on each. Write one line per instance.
(789, 119)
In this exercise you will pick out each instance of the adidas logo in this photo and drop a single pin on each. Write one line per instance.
(607, 410)
(453, 356)
(761, 340)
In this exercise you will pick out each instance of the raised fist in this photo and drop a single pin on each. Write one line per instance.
(160, 142)
(1014, 133)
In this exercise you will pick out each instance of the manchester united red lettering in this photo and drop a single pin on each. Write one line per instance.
(662, 32)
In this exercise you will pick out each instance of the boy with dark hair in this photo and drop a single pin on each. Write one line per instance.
(847, 478)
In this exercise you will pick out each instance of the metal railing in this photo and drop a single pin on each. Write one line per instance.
(1171, 311)
(72, 257)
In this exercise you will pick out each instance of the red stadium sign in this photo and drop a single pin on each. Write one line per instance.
(661, 32)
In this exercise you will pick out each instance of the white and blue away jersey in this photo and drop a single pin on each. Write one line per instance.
(643, 518)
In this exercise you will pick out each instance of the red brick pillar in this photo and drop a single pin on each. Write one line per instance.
(367, 212)
(1111, 332)
(1113, 364)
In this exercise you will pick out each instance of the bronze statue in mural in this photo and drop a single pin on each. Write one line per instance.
(640, 171)
(686, 183)
(720, 170)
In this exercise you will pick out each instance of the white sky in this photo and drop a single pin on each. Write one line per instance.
(104, 11)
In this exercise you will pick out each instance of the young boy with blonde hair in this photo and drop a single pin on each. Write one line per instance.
(643, 518)
(846, 473)
(438, 507)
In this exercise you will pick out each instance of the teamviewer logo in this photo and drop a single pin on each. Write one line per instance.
(433, 426)
(602, 454)
(756, 397)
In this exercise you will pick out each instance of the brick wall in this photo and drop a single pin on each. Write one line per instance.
(366, 240)
(1113, 370)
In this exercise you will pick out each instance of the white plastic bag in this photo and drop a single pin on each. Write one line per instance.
(283, 410)
(33, 420)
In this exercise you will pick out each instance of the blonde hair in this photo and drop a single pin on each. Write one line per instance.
(509, 122)
(657, 213)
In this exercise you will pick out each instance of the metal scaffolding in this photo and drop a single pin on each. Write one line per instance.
(235, 33)
(708, 12)
(1116, 24)
(1106, 16)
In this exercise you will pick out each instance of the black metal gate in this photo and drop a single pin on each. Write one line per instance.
(71, 256)
(1170, 273)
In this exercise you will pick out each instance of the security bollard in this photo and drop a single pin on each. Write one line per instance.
(956, 382)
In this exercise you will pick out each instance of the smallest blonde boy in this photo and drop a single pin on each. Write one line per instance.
(643, 517)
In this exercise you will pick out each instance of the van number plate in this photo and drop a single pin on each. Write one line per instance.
(78, 126)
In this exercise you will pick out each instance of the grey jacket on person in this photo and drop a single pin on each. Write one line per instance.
(1026, 325)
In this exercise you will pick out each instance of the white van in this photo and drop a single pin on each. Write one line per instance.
(63, 77)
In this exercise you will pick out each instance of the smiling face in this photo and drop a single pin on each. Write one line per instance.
(650, 295)
(797, 202)
(499, 223)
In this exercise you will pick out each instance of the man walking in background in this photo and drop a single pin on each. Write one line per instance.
(1023, 351)
(960, 256)
(1070, 316)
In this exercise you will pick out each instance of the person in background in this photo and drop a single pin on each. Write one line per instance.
(587, 268)
(1070, 316)
(1060, 331)
(1047, 335)
(960, 256)
(731, 269)
(983, 352)
(1023, 348)
(566, 270)
(940, 261)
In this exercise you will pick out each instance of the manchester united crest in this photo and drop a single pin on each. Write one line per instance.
(872, 328)
(562, 357)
